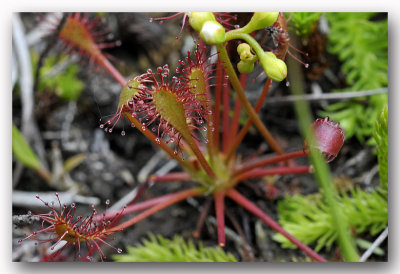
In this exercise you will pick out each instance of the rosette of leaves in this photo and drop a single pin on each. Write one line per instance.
(360, 41)
(160, 249)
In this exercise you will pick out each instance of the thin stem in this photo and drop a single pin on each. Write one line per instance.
(173, 176)
(177, 197)
(234, 34)
(271, 160)
(44, 173)
(219, 212)
(261, 172)
(196, 150)
(217, 104)
(237, 110)
(202, 218)
(210, 130)
(240, 199)
(225, 115)
(135, 207)
(210, 119)
(162, 144)
(102, 60)
(322, 172)
(245, 129)
(246, 104)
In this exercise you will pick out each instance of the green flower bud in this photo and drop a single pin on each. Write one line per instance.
(197, 19)
(245, 54)
(245, 67)
(260, 20)
(274, 68)
(212, 33)
(243, 47)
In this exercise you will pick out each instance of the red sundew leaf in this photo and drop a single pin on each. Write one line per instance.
(62, 225)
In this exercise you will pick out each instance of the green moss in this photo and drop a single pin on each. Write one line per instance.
(159, 249)
(361, 44)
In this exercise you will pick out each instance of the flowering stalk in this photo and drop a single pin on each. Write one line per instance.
(322, 172)
(246, 104)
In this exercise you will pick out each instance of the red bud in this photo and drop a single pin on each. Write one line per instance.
(329, 138)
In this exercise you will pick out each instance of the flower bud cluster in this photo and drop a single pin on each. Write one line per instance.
(247, 58)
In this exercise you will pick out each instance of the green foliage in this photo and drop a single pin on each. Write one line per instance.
(159, 249)
(304, 22)
(362, 45)
(381, 138)
(22, 150)
(365, 245)
(66, 84)
(308, 218)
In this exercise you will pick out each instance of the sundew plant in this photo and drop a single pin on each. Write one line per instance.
(200, 112)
